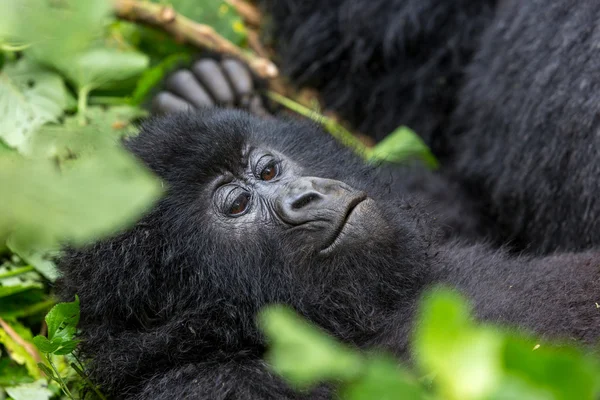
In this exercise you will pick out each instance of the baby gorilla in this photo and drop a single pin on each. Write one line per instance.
(255, 216)
(261, 211)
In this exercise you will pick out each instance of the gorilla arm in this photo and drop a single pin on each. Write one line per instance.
(554, 296)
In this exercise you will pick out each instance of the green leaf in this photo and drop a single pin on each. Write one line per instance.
(42, 262)
(382, 380)
(465, 359)
(93, 196)
(12, 374)
(37, 390)
(118, 120)
(62, 320)
(29, 97)
(100, 66)
(44, 345)
(11, 284)
(48, 371)
(403, 145)
(16, 349)
(302, 353)
(55, 30)
(564, 372)
(25, 304)
(62, 323)
(216, 13)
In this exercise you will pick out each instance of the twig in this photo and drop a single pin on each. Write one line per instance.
(185, 29)
(247, 11)
(255, 44)
(29, 348)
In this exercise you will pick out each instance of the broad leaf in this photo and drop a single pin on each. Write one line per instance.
(403, 145)
(92, 197)
(302, 353)
(215, 13)
(29, 97)
(99, 66)
(53, 30)
(37, 390)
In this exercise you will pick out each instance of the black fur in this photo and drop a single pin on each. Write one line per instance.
(506, 93)
(168, 307)
(528, 124)
(381, 63)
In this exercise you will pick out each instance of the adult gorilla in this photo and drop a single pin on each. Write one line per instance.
(262, 211)
(505, 92)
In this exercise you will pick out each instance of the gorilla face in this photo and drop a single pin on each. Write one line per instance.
(252, 215)
(260, 218)
(268, 189)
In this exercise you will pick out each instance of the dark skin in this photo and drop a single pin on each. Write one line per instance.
(264, 211)
(208, 83)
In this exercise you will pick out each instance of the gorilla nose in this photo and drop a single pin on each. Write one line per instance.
(309, 199)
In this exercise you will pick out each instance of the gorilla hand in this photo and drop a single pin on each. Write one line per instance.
(209, 83)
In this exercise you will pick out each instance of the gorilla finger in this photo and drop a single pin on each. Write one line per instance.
(185, 85)
(255, 106)
(212, 77)
(166, 102)
(239, 76)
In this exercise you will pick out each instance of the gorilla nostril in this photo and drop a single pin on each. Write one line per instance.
(304, 200)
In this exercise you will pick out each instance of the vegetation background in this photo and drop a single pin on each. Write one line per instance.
(74, 77)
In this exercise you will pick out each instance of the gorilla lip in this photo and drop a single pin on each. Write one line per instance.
(352, 204)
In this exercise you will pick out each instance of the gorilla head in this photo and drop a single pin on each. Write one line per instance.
(253, 215)
(262, 211)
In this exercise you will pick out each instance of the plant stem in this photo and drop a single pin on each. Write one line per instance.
(336, 130)
(83, 375)
(63, 385)
(82, 99)
(17, 271)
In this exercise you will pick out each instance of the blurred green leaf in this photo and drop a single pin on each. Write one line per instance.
(561, 372)
(382, 380)
(37, 390)
(25, 304)
(401, 145)
(302, 353)
(92, 197)
(47, 370)
(53, 29)
(472, 361)
(12, 374)
(215, 13)
(15, 279)
(96, 67)
(29, 97)
(16, 349)
(465, 359)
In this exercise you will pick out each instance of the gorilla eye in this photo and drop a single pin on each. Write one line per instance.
(269, 172)
(240, 204)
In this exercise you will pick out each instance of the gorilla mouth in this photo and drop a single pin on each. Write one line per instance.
(335, 238)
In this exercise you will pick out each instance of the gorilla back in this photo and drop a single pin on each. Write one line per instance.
(269, 211)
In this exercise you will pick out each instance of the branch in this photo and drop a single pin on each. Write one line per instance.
(29, 348)
(247, 11)
(184, 29)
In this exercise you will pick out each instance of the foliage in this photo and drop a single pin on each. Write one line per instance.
(73, 80)
(456, 359)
